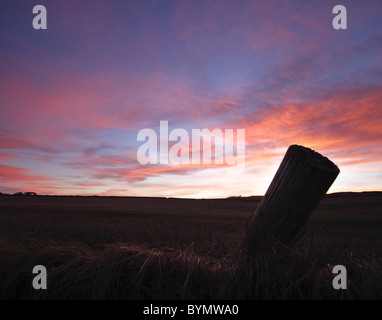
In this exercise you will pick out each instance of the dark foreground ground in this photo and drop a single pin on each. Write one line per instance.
(156, 248)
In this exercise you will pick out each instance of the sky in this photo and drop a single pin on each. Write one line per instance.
(73, 97)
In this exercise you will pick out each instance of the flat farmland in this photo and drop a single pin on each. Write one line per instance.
(184, 236)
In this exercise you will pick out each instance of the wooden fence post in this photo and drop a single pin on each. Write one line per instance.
(300, 183)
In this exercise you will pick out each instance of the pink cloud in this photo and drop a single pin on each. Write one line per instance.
(11, 174)
(5, 156)
(347, 124)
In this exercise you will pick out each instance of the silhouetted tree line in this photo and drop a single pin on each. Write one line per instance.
(19, 194)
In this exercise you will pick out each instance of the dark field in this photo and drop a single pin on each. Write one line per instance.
(156, 248)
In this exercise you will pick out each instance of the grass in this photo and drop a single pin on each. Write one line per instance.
(152, 248)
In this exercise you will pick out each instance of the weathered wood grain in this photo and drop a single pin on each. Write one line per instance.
(300, 183)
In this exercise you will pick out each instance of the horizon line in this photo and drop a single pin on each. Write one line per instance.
(34, 194)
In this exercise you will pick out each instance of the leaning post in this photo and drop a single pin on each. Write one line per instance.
(299, 185)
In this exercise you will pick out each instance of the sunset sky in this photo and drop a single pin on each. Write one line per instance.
(74, 97)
